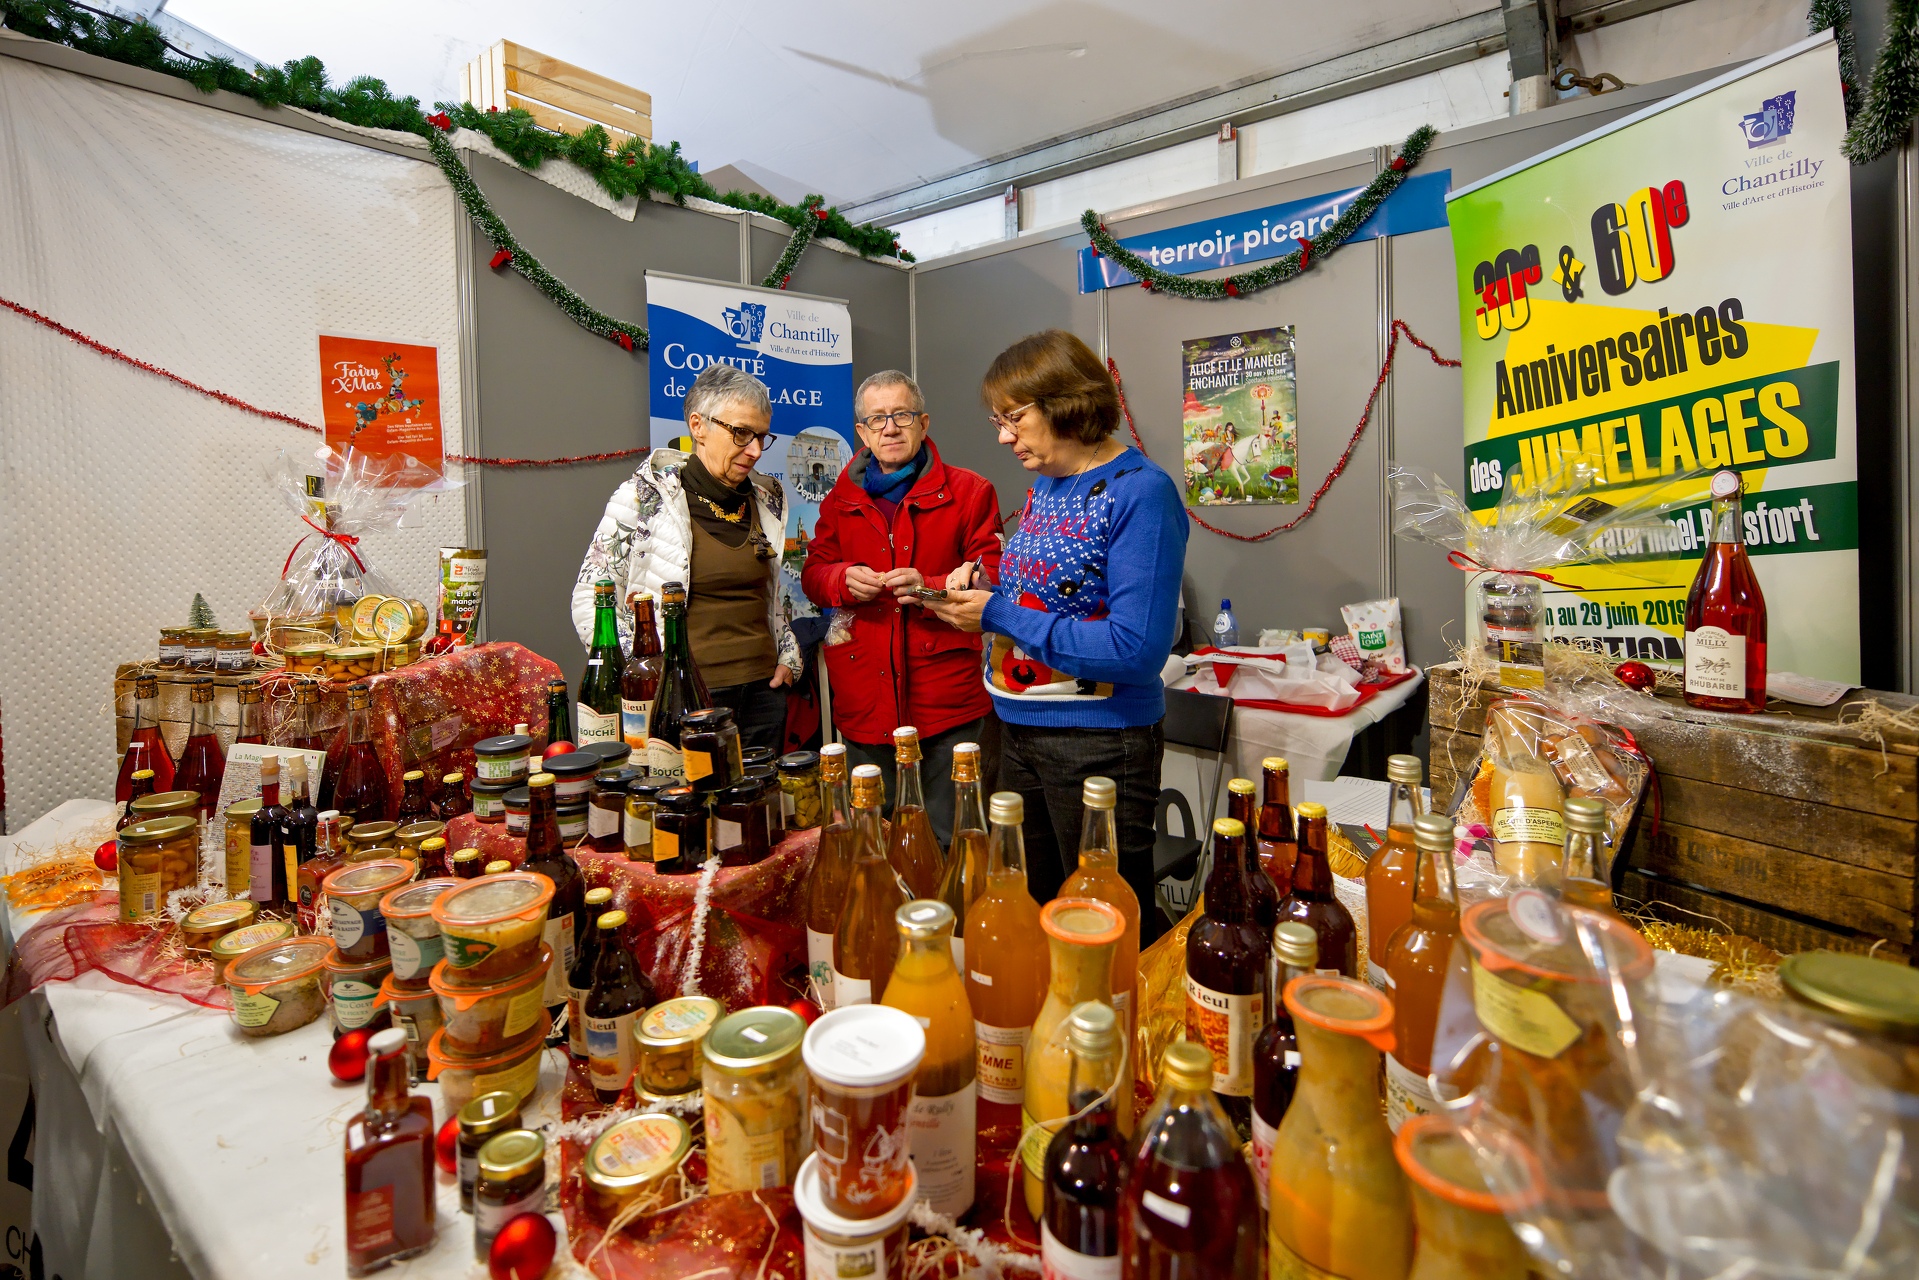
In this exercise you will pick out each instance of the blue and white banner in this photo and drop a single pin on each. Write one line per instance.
(1273, 232)
(800, 346)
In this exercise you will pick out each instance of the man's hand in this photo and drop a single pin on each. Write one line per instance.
(862, 583)
(960, 609)
(903, 583)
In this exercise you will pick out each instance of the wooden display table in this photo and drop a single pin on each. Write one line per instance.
(1790, 827)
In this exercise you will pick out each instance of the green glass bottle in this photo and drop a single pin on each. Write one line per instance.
(681, 688)
(599, 711)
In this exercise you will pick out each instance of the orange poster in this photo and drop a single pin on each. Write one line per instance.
(382, 398)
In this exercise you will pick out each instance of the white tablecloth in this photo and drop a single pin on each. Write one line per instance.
(162, 1130)
(1315, 746)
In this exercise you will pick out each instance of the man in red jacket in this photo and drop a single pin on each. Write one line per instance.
(899, 519)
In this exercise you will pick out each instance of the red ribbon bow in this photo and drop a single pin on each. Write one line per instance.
(1460, 560)
(347, 540)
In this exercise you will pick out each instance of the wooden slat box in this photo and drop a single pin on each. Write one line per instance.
(1789, 827)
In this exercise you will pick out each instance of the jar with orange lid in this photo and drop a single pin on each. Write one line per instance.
(353, 992)
(353, 896)
(279, 987)
(1462, 1214)
(413, 936)
(1081, 934)
(490, 927)
(1338, 1202)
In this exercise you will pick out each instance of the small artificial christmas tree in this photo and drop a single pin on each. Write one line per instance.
(200, 614)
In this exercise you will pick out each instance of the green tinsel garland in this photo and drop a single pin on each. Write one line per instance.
(1279, 270)
(795, 245)
(1884, 118)
(1836, 15)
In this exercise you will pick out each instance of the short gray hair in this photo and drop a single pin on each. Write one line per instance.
(889, 378)
(720, 384)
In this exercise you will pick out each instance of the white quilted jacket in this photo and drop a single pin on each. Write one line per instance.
(645, 540)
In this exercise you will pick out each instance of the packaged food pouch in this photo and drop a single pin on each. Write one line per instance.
(1374, 626)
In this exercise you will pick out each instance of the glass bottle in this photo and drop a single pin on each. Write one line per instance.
(1338, 1201)
(301, 728)
(452, 801)
(298, 829)
(202, 764)
(559, 714)
(1097, 876)
(253, 720)
(1312, 902)
(1086, 1164)
(1261, 893)
(329, 855)
(911, 846)
(142, 786)
(1526, 797)
(413, 802)
(1419, 960)
(389, 1163)
(1726, 614)
(826, 884)
(146, 749)
(640, 679)
(566, 914)
(1277, 843)
(579, 979)
(602, 683)
(942, 1116)
(966, 860)
(681, 688)
(1389, 872)
(360, 791)
(1226, 954)
(1007, 964)
(1276, 1051)
(866, 940)
(1081, 935)
(1189, 1208)
(465, 864)
(620, 995)
(266, 881)
(1585, 837)
(1464, 1218)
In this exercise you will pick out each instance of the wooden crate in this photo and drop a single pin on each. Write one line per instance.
(559, 95)
(1788, 827)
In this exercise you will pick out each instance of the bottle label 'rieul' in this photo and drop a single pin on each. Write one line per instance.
(1226, 1024)
(1715, 663)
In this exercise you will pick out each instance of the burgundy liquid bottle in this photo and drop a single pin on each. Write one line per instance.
(1312, 901)
(1189, 1209)
(145, 748)
(1086, 1163)
(202, 763)
(1726, 614)
(1276, 1052)
(1278, 845)
(1242, 806)
(1226, 973)
(359, 789)
(252, 714)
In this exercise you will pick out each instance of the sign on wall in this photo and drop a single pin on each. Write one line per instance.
(1240, 419)
(1673, 295)
(800, 346)
(381, 398)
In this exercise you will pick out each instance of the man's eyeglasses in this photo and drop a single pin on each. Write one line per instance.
(743, 436)
(1009, 421)
(901, 418)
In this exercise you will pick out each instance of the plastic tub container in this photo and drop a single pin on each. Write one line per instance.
(842, 1246)
(519, 806)
(353, 992)
(353, 900)
(413, 935)
(862, 1060)
(515, 1071)
(490, 927)
(206, 925)
(418, 1014)
(501, 759)
(491, 1019)
(573, 774)
(230, 947)
(279, 986)
(613, 753)
(637, 1160)
(489, 799)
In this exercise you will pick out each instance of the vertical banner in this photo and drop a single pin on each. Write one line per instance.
(1240, 419)
(382, 398)
(1668, 296)
(801, 347)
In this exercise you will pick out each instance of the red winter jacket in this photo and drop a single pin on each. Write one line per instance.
(902, 665)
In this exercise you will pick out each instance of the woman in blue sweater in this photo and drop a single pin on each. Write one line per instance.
(1082, 620)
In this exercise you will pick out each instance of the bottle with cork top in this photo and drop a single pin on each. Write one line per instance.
(1098, 877)
(943, 1114)
(912, 847)
(1007, 968)
(866, 942)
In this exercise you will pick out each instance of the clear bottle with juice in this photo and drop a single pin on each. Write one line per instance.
(1098, 877)
(866, 942)
(1312, 901)
(146, 749)
(1276, 1051)
(1278, 842)
(1261, 893)
(1338, 1203)
(1585, 838)
(911, 846)
(1389, 872)
(943, 1115)
(826, 883)
(1086, 1162)
(1007, 968)
(1189, 1208)
(1081, 934)
(1528, 803)
(966, 860)
(1419, 960)
(1226, 956)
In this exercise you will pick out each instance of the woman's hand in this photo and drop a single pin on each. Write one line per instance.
(862, 584)
(961, 579)
(782, 676)
(961, 609)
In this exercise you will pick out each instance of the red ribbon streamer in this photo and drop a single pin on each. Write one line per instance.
(347, 540)
(1460, 560)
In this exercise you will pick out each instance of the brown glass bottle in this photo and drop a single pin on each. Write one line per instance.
(579, 979)
(911, 846)
(329, 855)
(681, 688)
(566, 916)
(142, 785)
(452, 801)
(620, 994)
(1278, 845)
(640, 680)
(1262, 893)
(1226, 973)
(1276, 1051)
(1312, 902)
(413, 802)
(389, 1163)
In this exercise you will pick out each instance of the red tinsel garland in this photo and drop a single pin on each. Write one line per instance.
(274, 415)
(1392, 349)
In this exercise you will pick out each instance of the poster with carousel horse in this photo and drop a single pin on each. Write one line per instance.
(1240, 420)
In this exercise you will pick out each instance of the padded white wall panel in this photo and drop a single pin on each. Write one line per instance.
(219, 247)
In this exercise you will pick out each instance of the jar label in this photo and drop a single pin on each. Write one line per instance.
(666, 845)
(1715, 663)
(414, 956)
(941, 1132)
(1409, 1094)
(260, 871)
(1260, 1154)
(838, 1261)
(636, 832)
(353, 1003)
(369, 1218)
(1376, 975)
(253, 1010)
(522, 1011)
(819, 967)
(1034, 1138)
(557, 933)
(1057, 1262)
(1227, 1024)
(609, 1051)
(592, 726)
(464, 953)
(698, 764)
(740, 1161)
(1180, 1215)
(1527, 1020)
(575, 1020)
(489, 1218)
(572, 825)
(351, 926)
(1284, 1264)
(727, 834)
(1351, 892)
(519, 1080)
(139, 893)
(1525, 825)
(498, 768)
(633, 714)
(1001, 1062)
(602, 821)
(851, 990)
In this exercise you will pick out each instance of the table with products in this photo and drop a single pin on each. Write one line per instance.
(1315, 744)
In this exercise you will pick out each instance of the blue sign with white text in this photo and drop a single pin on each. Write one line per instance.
(1273, 232)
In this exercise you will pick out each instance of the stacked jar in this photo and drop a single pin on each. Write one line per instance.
(574, 774)
(361, 959)
(490, 981)
(499, 765)
(414, 946)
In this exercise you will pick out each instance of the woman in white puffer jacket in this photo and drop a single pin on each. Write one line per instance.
(708, 520)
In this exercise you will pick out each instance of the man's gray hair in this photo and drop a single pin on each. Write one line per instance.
(722, 384)
(888, 378)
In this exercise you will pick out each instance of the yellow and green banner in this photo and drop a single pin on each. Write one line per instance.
(1670, 295)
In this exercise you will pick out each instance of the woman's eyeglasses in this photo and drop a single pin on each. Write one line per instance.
(743, 436)
(1009, 421)
(901, 418)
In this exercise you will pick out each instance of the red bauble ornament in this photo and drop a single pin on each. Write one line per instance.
(819, 213)
(807, 1010)
(446, 1146)
(347, 1058)
(1636, 675)
(559, 748)
(500, 259)
(625, 340)
(1398, 165)
(107, 856)
(523, 1250)
(1232, 290)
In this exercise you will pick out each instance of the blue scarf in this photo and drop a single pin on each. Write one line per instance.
(892, 487)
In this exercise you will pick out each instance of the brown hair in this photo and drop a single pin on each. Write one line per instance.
(1060, 374)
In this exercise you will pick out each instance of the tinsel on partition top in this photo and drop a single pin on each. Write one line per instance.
(1884, 117)
(1280, 270)
(1837, 15)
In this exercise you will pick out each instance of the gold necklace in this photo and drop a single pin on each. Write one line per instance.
(731, 517)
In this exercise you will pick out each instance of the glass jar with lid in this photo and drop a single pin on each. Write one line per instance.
(670, 1037)
(233, 650)
(636, 827)
(203, 648)
(512, 1181)
(156, 856)
(739, 824)
(637, 1162)
(483, 1117)
(757, 1127)
(767, 779)
(1510, 619)
(710, 748)
(801, 804)
(606, 814)
(173, 647)
(680, 832)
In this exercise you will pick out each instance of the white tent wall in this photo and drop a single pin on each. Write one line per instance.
(219, 247)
